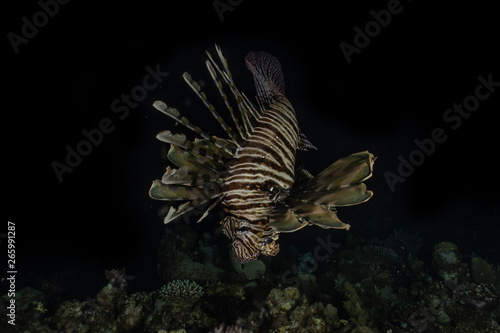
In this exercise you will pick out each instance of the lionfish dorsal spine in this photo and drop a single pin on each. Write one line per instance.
(201, 95)
(175, 115)
(213, 74)
(249, 115)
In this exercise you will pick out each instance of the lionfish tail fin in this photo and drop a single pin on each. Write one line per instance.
(315, 200)
(268, 77)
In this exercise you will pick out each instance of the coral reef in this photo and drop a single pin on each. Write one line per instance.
(30, 311)
(118, 279)
(230, 329)
(354, 306)
(482, 272)
(251, 270)
(286, 310)
(177, 252)
(367, 285)
(181, 294)
(446, 260)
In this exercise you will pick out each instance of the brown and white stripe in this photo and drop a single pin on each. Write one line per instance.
(267, 160)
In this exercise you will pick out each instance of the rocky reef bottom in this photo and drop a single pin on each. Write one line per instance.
(362, 286)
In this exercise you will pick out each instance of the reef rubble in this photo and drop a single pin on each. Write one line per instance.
(367, 285)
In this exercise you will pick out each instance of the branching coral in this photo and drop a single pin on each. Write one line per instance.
(182, 292)
(353, 306)
(231, 329)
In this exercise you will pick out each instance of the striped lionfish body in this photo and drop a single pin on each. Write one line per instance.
(253, 173)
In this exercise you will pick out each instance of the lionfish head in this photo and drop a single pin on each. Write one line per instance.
(248, 240)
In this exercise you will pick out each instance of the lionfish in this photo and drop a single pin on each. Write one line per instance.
(252, 173)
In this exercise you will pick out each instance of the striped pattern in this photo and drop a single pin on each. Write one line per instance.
(252, 171)
(267, 161)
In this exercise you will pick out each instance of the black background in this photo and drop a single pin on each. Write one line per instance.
(394, 91)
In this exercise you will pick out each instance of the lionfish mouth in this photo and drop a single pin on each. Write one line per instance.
(245, 251)
(250, 239)
(242, 253)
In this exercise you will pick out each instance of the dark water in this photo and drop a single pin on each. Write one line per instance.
(418, 90)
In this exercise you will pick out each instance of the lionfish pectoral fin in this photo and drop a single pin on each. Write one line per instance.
(299, 214)
(191, 197)
(352, 169)
(193, 162)
(268, 77)
(173, 113)
(347, 195)
(209, 209)
(176, 211)
(283, 219)
(185, 190)
(320, 215)
(160, 191)
(314, 199)
(339, 185)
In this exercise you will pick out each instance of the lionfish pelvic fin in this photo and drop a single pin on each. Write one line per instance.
(304, 143)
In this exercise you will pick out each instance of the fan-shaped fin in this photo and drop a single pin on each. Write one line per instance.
(184, 158)
(209, 209)
(267, 75)
(337, 197)
(284, 219)
(176, 211)
(202, 156)
(314, 199)
(300, 214)
(204, 150)
(349, 170)
(160, 191)
(183, 176)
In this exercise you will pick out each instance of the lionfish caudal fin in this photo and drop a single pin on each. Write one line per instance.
(270, 85)
(314, 199)
(202, 162)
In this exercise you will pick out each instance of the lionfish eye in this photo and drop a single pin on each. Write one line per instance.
(243, 229)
